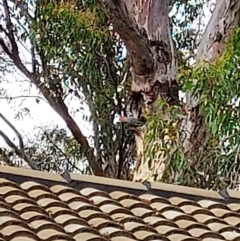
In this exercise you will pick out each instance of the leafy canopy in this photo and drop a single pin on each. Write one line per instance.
(217, 86)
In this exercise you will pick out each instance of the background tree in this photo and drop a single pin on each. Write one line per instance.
(52, 150)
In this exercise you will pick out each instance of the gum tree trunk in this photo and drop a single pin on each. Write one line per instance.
(145, 28)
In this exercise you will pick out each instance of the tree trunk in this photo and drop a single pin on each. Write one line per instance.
(225, 19)
(144, 26)
(61, 109)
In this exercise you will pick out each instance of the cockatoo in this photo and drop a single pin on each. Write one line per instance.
(131, 121)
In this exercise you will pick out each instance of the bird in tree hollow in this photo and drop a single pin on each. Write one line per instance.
(131, 121)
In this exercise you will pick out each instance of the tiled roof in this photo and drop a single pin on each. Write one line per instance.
(42, 206)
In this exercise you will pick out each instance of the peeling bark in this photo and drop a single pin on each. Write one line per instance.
(145, 28)
(224, 20)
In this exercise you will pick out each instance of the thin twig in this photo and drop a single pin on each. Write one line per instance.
(59, 149)
(23, 96)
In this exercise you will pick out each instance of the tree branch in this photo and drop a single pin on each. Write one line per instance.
(224, 20)
(60, 150)
(57, 104)
(23, 96)
(5, 48)
(10, 28)
(119, 14)
(19, 151)
(14, 129)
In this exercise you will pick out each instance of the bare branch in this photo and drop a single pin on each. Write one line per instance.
(14, 129)
(10, 28)
(23, 96)
(18, 151)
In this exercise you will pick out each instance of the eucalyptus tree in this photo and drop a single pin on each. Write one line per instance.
(183, 141)
(72, 54)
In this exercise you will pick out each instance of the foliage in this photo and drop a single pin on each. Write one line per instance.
(76, 56)
(217, 86)
(52, 150)
(188, 25)
(85, 58)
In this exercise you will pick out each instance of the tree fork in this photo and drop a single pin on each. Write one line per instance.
(224, 20)
(153, 60)
(145, 28)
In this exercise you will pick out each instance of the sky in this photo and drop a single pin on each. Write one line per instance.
(40, 113)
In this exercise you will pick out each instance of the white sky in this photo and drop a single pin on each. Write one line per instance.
(40, 114)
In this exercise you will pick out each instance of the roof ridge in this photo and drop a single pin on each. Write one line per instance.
(122, 184)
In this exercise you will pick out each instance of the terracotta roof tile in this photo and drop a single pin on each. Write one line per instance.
(235, 207)
(34, 207)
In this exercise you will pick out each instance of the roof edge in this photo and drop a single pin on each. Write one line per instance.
(156, 186)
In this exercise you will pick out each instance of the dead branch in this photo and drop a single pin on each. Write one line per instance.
(22, 96)
(21, 145)
(19, 151)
